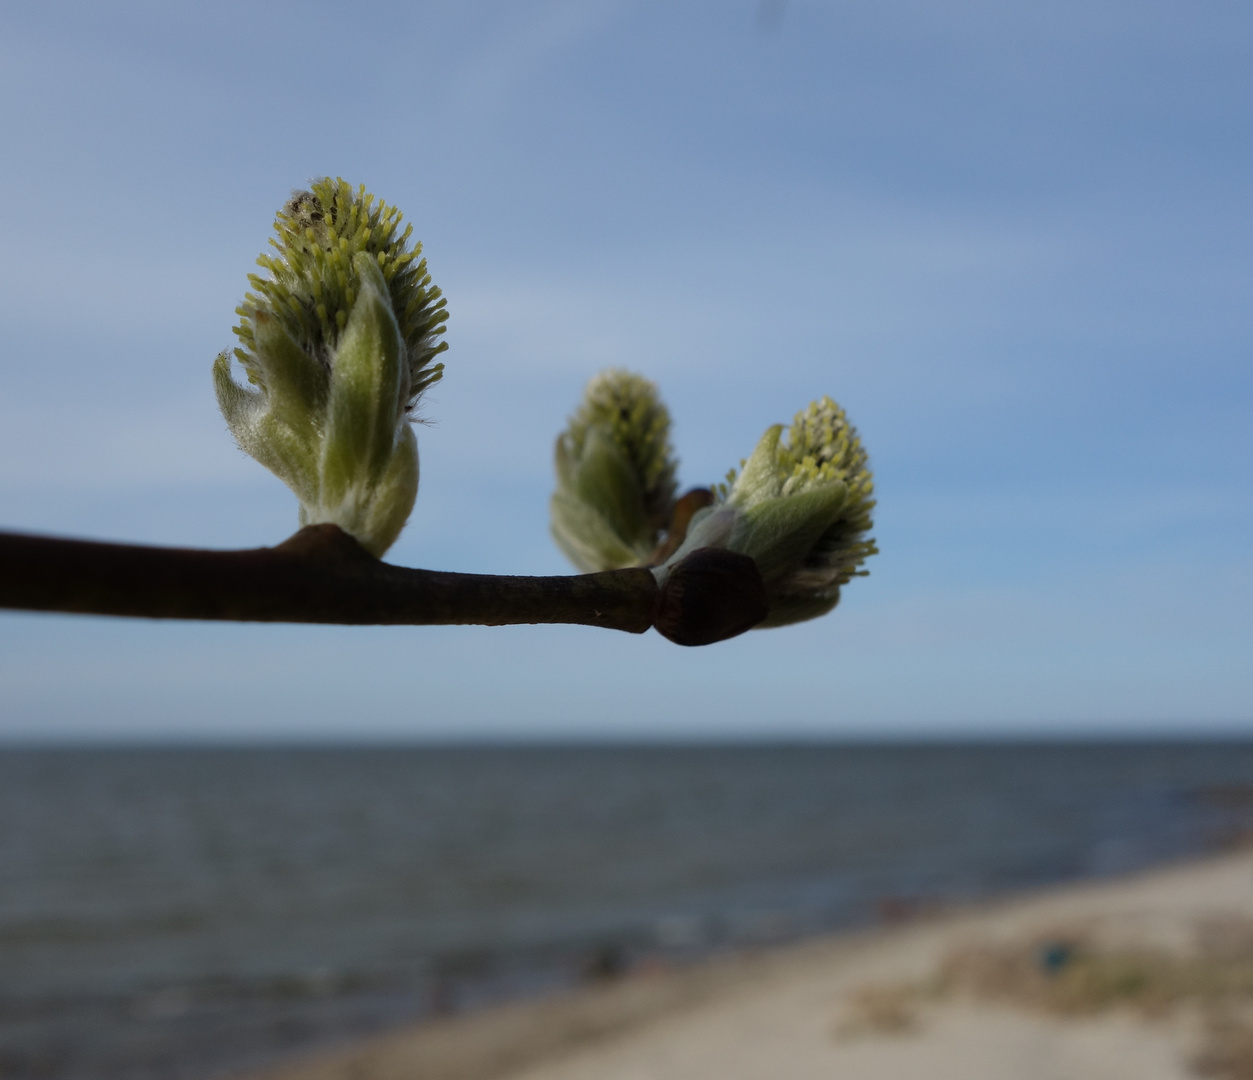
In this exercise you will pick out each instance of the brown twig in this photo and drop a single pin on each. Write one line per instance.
(322, 575)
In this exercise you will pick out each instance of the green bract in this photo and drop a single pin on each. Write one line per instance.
(338, 341)
(615, 474)
(800, 509)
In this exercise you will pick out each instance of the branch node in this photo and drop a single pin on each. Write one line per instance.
(326, 545)
(711, 595)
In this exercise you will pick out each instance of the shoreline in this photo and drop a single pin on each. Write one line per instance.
(740, 1015)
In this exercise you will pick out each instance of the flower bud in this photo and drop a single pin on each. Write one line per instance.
(800, 509)
(338, 341)
(615, 474)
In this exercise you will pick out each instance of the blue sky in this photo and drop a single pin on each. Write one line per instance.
(1014, 241)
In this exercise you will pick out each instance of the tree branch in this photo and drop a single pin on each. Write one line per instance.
(322, 575)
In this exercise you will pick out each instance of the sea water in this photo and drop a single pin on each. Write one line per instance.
(175, 913)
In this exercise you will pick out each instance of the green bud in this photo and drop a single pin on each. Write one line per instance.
(800, 509)
(615, 474)
(339, 342)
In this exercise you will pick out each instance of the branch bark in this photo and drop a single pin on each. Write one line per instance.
(322, 575)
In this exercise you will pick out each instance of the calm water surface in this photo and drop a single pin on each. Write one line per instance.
(177, 913)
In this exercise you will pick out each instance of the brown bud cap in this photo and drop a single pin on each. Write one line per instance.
(680, 518)
(711, 595)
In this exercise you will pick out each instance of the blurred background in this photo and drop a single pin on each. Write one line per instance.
(1014, 242)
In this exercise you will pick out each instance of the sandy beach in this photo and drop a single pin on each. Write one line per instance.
(1147, 977)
